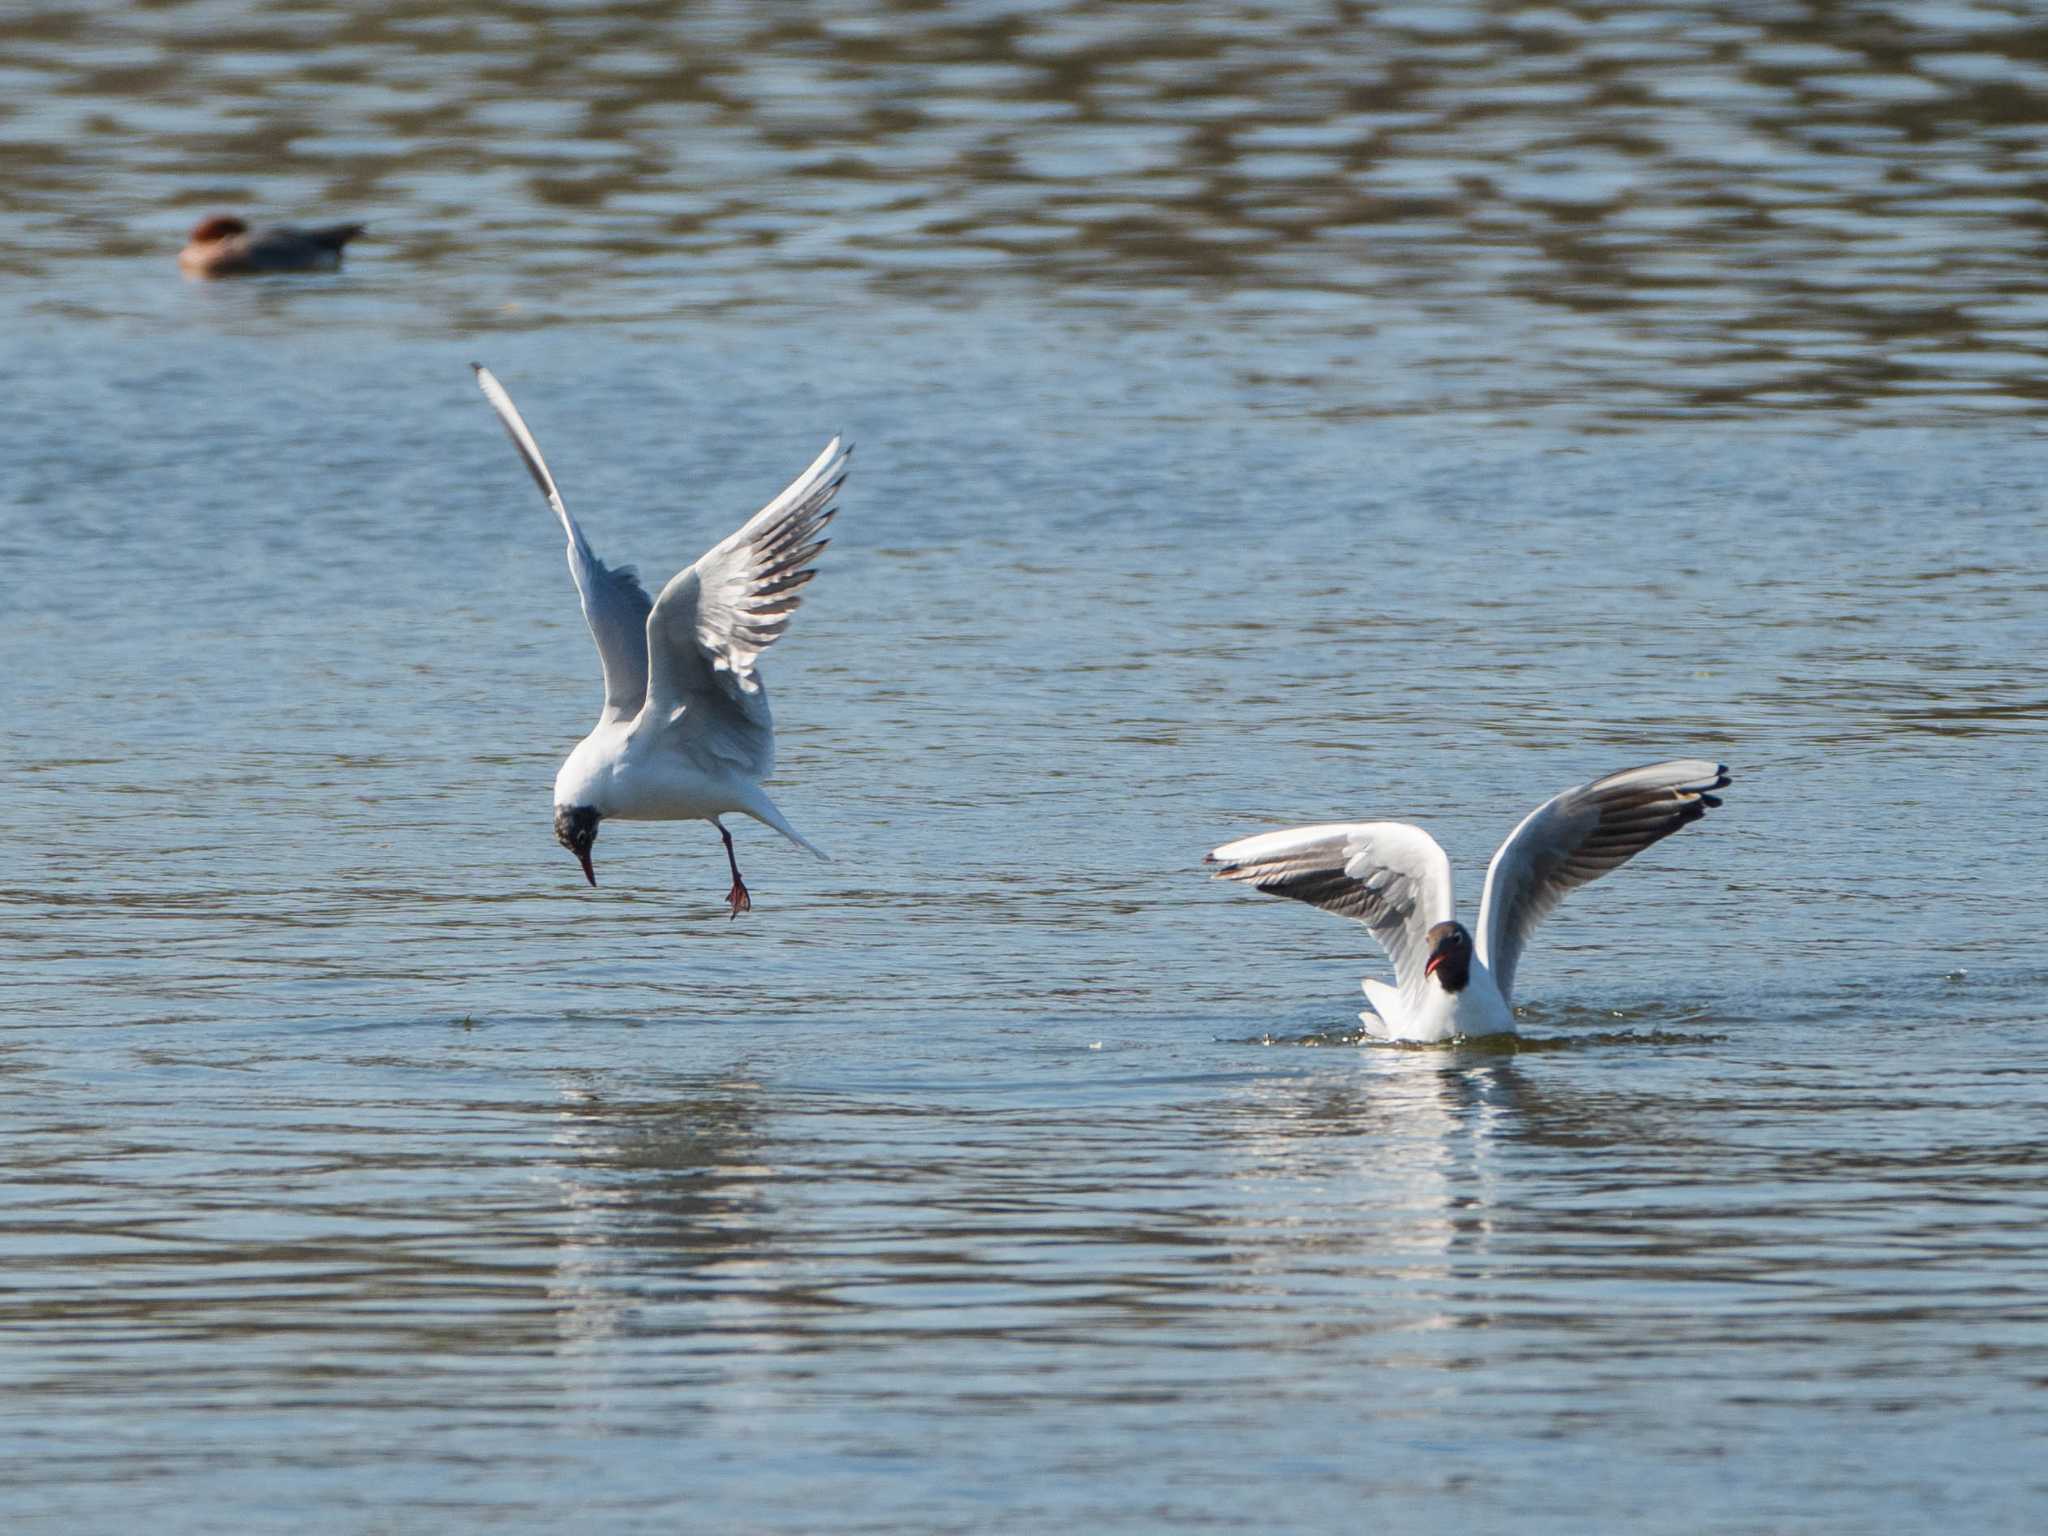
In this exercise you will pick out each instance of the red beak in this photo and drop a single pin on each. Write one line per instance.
(1435, 959)
(583, 858)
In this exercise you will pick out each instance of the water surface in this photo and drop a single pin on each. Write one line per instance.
(1263, 416)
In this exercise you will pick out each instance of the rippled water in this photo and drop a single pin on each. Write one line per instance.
(1264, 415)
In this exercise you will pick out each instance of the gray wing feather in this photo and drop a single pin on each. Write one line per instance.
(284, 245)
(1579, 836)
(712, 622)
(615, 605)
(1390, 876)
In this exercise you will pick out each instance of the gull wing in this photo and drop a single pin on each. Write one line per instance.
(615, 605)
(1578, 836)
(713, 621)
(1390, 876)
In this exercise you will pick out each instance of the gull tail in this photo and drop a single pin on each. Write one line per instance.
(763, 810)
(1384, 1016)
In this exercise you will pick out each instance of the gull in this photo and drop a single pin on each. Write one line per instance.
(225, 246)
(1396, 880)
(685, 732)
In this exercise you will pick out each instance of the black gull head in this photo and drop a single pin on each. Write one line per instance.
(1450, 956)
(576, 830)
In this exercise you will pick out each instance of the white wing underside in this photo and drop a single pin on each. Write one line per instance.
(712, 622)
(687, 659)
(1390, 876)
(1579, 836)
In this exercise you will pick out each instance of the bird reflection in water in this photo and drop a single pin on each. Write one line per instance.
(666, 1222)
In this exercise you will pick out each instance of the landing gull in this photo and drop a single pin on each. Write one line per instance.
(685, 732)
(1396, 880)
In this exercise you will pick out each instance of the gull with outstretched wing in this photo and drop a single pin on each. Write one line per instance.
(685, 732)
(1396, 880)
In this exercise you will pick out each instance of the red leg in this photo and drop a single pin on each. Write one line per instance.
(741, 901)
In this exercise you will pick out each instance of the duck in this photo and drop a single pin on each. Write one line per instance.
(225, 246)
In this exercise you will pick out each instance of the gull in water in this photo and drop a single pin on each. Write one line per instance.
(685, 733)
(224, 246)
(1396, 880)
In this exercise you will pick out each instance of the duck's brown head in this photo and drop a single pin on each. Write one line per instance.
(221, 226)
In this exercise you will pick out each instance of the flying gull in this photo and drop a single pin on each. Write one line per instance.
(685, 732)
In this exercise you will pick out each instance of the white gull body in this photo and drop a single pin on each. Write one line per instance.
(685, 732)
(1396, 879)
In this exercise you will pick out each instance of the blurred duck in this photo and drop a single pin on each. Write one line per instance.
(224, 246)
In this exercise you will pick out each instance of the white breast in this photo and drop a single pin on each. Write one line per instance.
(1476, 1009)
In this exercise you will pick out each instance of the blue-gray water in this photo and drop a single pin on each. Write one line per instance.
(1264, 415)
